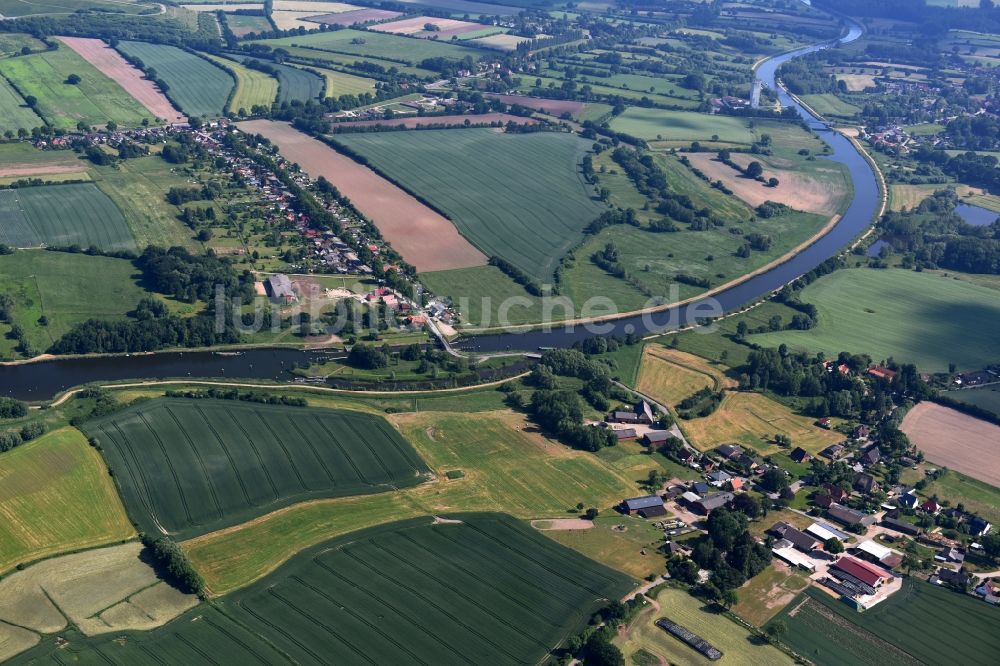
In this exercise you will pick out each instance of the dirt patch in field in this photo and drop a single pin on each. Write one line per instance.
(17, 171)
(425, 238)
(796, 190)
(414, 27)
(562, 524)
(355, 16)
(113, 65)
(956, 440)
(555, 107)
(424, 121)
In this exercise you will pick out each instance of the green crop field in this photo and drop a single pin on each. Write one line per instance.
(483, 588)
(62, 215)
(653, 124)
(14, 113)
(13, 42)
(38, 281)
(55, 496)
(297, 84)
(382, 45)
(518, 196)
(987, 397)
(253, 88)
(922, 623)
(18, 8)
(197, 86)
(341, 83)
(95, 100)
(828, 104)
(920, 318)
(486, 289)
(242, 25)
(194, 466)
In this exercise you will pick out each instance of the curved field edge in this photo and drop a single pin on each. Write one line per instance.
(57, 497)
(186, 466)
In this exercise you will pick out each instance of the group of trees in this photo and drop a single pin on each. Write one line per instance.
(10, 439)
(172, 564)
(12, 409)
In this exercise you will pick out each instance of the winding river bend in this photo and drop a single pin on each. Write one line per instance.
(40, 381)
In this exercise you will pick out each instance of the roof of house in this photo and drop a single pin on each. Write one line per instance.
(653, 511)
(849, 516)
(691, 497)
(954, 577)
(900, 526)
(930, 505)
(719, 475)
(658, 435)
(796, 537)
(868, 574)
(881, 372)
(624, 416)
(979, 526)
(701, 487)
(730, 450)
(644, 409)
(831, 450)
(644, 502)
(799, 454)
(909, 500)
(823, 500)
(864, 482)
(625, 433)
(713, 502)
(878, 551)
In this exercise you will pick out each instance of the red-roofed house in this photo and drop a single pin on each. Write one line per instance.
(879, 372)
(869, 574)
(931, 507)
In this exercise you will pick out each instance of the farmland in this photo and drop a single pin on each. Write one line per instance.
(18, 8)
(14, 113)
(670, 376)
(684, 126)
(485, 289)
(468, 174)
(470, 588)
(920, 318)
(921, 623)
(987, 397)
(197, 86)
(341, 83)
(367, 43)
(63, 215)
(507, 467)
(678, 606)
(956, 440)
(253, 88)
(101, 288)
(95, 100)
(180, 468)
(55, 496)
(425, 238)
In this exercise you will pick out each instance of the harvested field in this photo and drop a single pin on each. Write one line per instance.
(188, 467)
(19, 171)
(56, 496)
(367, 43)
(795, 189)
(315, 7)
(415, 27)
(670, 376)
(499, 42)
(425, 238)
(428, 121)
(113, 65)
(341, 83)
(767, 593)
(857, 82)
(956, 440)
(356, 16)
(100, 591)
(236, 6)
(293, 20)
(14, 640)
(555, 107)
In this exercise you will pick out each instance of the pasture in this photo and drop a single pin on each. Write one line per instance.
(484, 588)
(425, 238)
(187, 467)
(101, 288)
(63, 215)
(922, 623)
(828, 104)
(342, 83)
(19, 8)
(763, 596)
(480, 292)
(633, 550)
(920, 318)
(15, 114)
(735, 642)
(508, 466)
(686, 126)
(56, 496)
(253, 88)
(197, 86)
(381, 45)
(242, 25)
(469, 174)
(670, 376)
(95, 100)
(955, 440)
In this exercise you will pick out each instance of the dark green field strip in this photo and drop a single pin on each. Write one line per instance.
(488, 590)
(518, 196)
(194, 466)
(198, 86)
(63, 215)
(297, 85)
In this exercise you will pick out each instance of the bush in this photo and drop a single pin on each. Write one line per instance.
(12, 409)
(171, 562)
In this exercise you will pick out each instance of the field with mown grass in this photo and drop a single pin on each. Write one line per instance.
(828, 104)
(56, 496)
(193, 466)
(472, 176)
(15, 114)
(670, 376)
(920, 318)
(368, 43)
(197, 86)
(660, 124)
(253, 88)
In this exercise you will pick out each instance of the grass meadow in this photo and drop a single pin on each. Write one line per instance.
(197, 86)
(828, 104)
(193, 466)
(18, 8)
(382, 45)
(63, 215)
(920, 318)
(670, 376)
(517, 196)
(921, 623)
(342, 83)
(95, 100)
(15, 114)
(685, 126)
(56, 496)
(253, 88)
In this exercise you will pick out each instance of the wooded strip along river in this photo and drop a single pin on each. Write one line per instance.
(42, 380)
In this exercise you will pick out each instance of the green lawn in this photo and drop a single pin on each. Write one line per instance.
(95, 100)
(518, 196)
(920, 318)
(921, 623)
(63, 215)
(65, 288)
(197, 86)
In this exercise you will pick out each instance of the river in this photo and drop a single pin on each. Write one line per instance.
(42, 380)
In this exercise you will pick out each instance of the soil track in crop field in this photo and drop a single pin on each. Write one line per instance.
(425, 121)
(958, 441)
(114, 66)
(425, 238)
(555, 107)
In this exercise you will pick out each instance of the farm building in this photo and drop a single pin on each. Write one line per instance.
(824, 532)
(847, 516)
(853, 570)
(654, 437)
(707, 505)
(900, 526)
(623, 434)
(642, 413)
(795, 558)
(280, 288)
(877, 553)
(647, 503)
(794, 536)
(730, 450)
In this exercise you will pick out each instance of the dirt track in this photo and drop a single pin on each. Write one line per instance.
(113, 65)
(426, 239)
(419, 121)
(956, 440)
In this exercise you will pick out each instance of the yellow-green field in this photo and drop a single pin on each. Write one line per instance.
(764, 595)
(735, 642)
(627, 543)
(56, 496)
(253, 88)
(341, 83)
(507, 467)
(670, 376)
